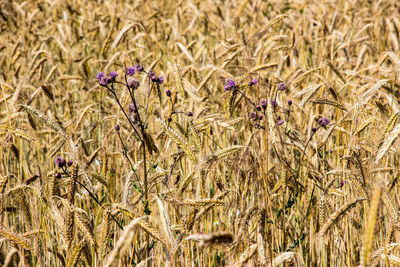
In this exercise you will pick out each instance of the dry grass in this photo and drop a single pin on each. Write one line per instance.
(213, 189)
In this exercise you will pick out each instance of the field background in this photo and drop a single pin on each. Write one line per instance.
(221, 192)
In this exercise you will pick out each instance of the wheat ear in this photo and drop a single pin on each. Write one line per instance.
(179, 141)
(339, 213)
(123, 242)
(370, 226)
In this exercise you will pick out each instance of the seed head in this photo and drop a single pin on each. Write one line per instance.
(133, 83)
(131, 108)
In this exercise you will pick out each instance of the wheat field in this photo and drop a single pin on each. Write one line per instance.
(199, 133)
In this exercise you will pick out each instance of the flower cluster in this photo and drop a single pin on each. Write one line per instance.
(156, 79)
(61, 163)
(104, 79)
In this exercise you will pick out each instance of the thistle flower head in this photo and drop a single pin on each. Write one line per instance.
(70, 162)
(274, 104)
(282, 86)
(58, 175)
(117, 127)
(314, 129)
(139, 67)
(253, 82)
(104, 81)
(113, 75)
(229, 85)
(60, 161)
(130, 71)
(263, 103)
(189, 114)
(280, 122)
(168, 92)
(100, 75)
(290, 102)
(252, 115)
(324, 121)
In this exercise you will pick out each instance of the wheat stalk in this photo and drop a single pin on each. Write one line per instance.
(387, 143)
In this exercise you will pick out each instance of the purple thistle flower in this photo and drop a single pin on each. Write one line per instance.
(229, 85)
(103, 81)
(263, 103)
(133, 83)
(60, 161)
(258, 108)
(100, 75)
(70, 162)
(325, 121)
(156, 79)
(168, 92)
(160, 79)
(189, 113)
(313, 129)
(290, 102)
(253, 82)
(58, 175)
(274, 104)
(117, 127)
(282, 86)
(280, 122)
(113, 75)
(139, 67)
(130, 71)
(252, 115)
(169, 119)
